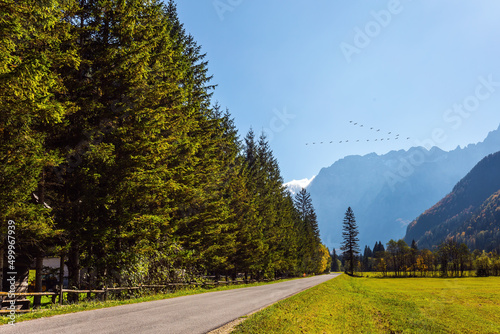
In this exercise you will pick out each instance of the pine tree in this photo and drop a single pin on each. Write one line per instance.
(289, 237)
(146, 143)
(413, 256)
(335, 259)
(107, 117)
(310, 242)
(378, 249)
(252, 242)
(350, 246)
(35, 45)
(367, 254)
(381, 247)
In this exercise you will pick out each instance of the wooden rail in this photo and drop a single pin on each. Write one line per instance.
(105, 291)
(23, 294)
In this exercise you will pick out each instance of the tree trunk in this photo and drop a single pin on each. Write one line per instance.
(1, 265)
(37, 301)
(74, 272)
(61, 278)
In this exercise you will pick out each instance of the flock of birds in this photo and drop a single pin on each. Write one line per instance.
(377, 131)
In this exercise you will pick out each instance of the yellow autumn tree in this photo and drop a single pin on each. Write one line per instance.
(325, 259)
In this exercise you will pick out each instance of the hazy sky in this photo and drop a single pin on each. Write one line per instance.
(302, 70)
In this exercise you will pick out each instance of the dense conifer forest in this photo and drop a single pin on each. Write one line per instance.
(114, 156)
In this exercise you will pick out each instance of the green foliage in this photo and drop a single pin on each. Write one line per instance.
(451, 259)
(310, 250)
(350, 241)
(35, 44)
(113, 155)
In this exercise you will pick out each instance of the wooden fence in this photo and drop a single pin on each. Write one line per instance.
(104, 293)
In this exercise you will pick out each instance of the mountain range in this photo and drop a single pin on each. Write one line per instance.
(387, 192)
(469, 214)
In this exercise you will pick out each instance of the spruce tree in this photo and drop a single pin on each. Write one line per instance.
(350, 245)
(367, 254)
(107, 119)
(335, 265)
(35, 47)
(310, 242)
(144, 147)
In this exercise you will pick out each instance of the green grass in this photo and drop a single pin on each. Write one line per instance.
(49, 310)
(374, 305)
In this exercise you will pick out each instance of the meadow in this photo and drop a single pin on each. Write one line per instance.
(385, 305)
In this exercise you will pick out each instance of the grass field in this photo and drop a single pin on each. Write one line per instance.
(375, 305)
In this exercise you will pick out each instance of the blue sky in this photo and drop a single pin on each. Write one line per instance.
(302, 70)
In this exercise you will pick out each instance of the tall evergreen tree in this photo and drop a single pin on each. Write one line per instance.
(367, 254)
(107, 119)
(310, 242)
(350, 245)
(146, 144)
(35, 45)
(335, 260)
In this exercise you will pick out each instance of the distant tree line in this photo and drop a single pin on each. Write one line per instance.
(450, 259)
(113, 156)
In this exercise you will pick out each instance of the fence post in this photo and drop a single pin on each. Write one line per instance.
(61, 278)
(54, 298)
(105, 293)
(61, 294)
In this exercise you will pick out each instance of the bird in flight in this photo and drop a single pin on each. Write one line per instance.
(396, 137)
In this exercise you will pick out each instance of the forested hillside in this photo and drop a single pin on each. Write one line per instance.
(470, 213)
(113, 155)
(389, 191)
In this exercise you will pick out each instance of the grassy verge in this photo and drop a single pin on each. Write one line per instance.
(49, 310)
(368, 305)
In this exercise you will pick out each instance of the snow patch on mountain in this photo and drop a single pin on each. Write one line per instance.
(296, 186)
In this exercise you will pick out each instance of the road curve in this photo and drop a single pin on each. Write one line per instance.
(190, 314)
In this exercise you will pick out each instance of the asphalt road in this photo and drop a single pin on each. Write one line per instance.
(190, 314)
